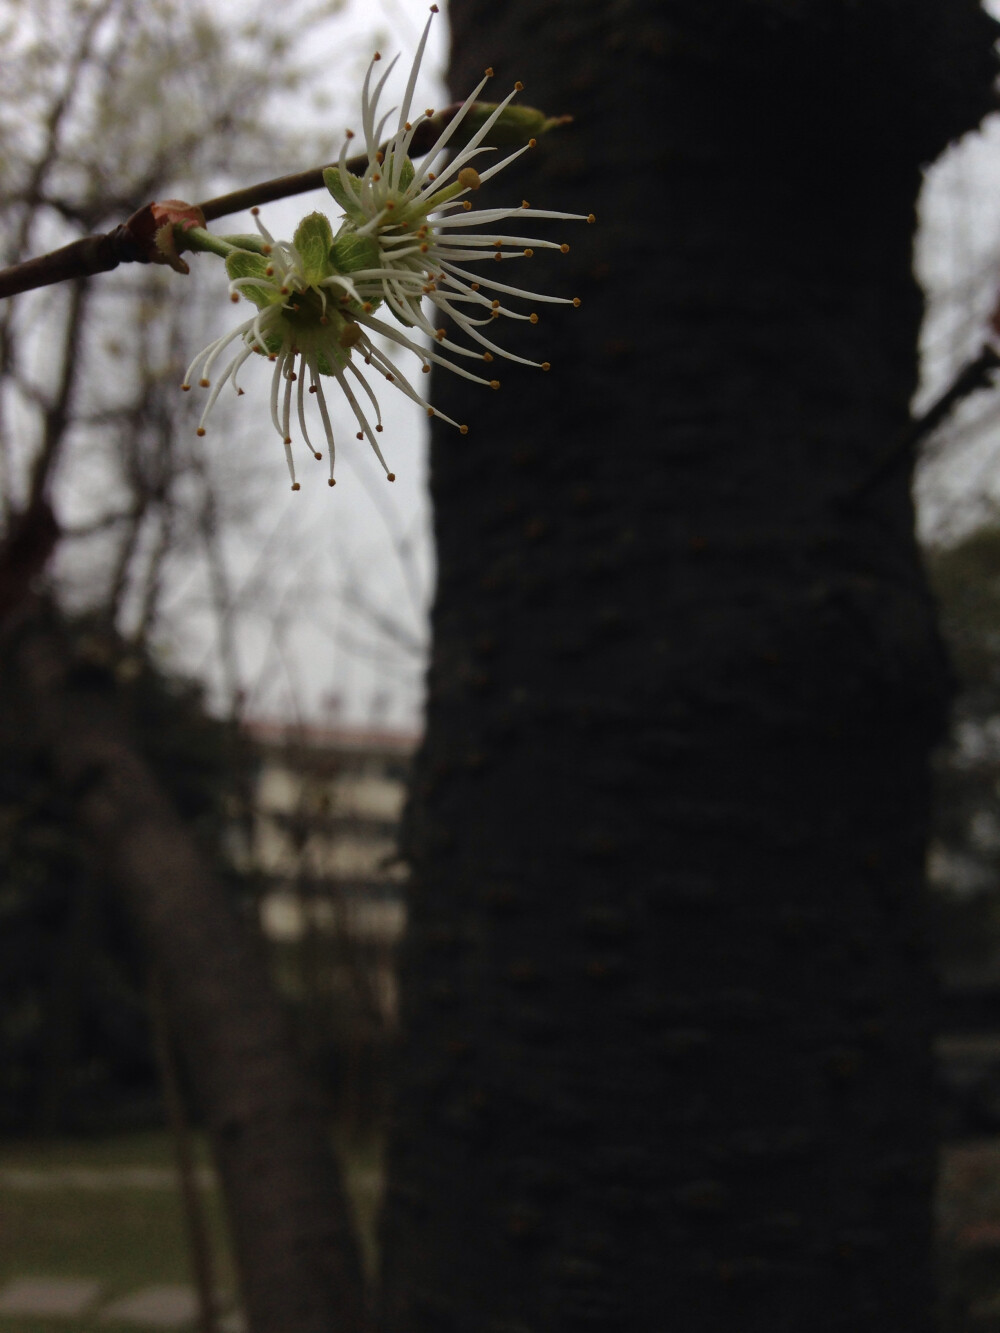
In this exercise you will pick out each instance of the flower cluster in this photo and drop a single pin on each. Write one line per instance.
(409, 241)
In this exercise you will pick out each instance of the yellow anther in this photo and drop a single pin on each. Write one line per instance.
(528, 252)
(576, 302)
(546, 365)
(487, 356)
(532, 318)
(200, 430)
(532, 143)
(525, 204)
(469, 179)
(564, 248)
(234, 297)
(591, 218)
(519, 87)
(203, 383)
(489, 71)
(463, 430)
(494, 384)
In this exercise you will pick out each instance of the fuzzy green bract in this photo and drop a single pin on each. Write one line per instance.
(313, 239)
(350, 253)
(243, 264)
(414, 263)
(343, 194)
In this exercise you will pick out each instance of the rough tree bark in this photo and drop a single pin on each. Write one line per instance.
(291, 1227)
(666, 995)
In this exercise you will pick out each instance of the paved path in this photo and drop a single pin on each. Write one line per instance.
(41, 1296)
(98, 1177)
(72, 1298)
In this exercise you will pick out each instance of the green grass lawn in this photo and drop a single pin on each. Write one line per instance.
(125, 1236)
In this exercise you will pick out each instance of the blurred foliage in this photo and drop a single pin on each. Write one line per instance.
(74, 1044)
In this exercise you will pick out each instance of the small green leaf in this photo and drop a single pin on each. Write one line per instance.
(243, 264)
(406, 172)
(351, 253)
(313, 239)
(343, 194)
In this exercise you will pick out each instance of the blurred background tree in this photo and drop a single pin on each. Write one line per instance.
(547, 605)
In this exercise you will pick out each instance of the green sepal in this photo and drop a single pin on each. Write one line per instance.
(273, 344)
(406, 173)
(350, 253)
(313, 239)
(514, 126)
(323, 363)
(343, 195)
(243, 264)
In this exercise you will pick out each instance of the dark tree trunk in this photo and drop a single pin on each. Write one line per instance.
(291, 1229)
(666, 993)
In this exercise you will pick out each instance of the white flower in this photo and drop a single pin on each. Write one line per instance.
(409, 240)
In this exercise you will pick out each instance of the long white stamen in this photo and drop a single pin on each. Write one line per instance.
(430, 244)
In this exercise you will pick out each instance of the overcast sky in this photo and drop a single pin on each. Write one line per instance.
(331, 586)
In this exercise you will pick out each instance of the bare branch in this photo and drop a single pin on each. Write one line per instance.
(130, 242)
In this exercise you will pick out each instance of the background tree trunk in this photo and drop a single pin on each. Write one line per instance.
(294, 1244)
(666, 993)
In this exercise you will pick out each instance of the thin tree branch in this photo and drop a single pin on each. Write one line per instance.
(133, 241)
(975, 375)
(56, 417)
